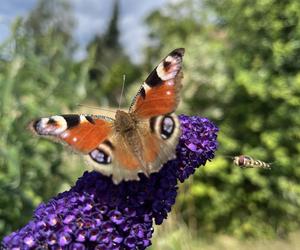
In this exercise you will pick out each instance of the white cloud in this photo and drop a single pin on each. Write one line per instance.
(134, 30)
(134, 37)
(88, 27)
(16, 7)
(92, 17)
(9, 10)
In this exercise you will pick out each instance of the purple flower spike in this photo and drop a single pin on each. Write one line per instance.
(96, 214)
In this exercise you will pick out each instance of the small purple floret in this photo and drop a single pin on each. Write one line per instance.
(69, 218)
(77, 246)
(29, 241)
(64, 239)
(96, 214)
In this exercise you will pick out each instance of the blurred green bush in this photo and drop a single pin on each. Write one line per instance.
(37, 73)
(242, 70)
(39, 76)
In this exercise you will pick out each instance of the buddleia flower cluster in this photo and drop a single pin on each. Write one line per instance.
(97, 214)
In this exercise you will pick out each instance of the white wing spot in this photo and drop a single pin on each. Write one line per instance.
(170, 59)
(65, 134)
(172, 69)
(83, 119)
(57, 125)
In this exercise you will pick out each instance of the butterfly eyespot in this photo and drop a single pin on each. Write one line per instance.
(53, 125)
(167, 127)
(98, 155)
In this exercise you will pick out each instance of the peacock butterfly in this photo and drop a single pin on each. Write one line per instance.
(140, 140)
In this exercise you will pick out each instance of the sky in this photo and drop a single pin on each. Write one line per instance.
(92, 17)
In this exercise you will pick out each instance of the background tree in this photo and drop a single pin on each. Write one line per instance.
(241, 70)
(259, 117)
(50, 20)
(108, 64)
(40, 77)
(37, 77)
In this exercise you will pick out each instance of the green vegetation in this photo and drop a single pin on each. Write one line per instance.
(39, 77)
(37, 73)
(176, 235)
(241, 70)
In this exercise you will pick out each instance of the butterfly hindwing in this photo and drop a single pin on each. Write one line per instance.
(122, 164)
(160, 138)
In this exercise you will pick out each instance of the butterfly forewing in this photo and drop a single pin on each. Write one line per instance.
(159, 94)
(82, 133)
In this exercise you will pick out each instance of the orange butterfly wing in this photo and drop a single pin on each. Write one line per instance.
(82, 133)
(159, 94)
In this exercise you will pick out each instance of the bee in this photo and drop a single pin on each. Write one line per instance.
(244, 161)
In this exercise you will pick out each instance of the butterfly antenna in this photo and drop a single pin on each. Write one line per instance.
(91, 107)
(123, 84)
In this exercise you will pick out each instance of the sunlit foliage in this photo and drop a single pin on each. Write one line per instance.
(241, 69)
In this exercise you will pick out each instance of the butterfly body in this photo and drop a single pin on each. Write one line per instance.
(140, 140)
(125, 122)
